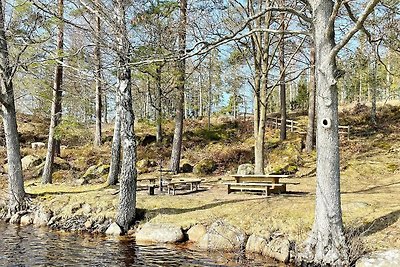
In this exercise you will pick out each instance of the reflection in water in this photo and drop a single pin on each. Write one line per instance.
(29, 246)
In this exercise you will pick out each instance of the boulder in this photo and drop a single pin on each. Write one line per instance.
(256, 244)
(278, 248)
(387, 258)
(223, 236)
(114, 230)
(196, 232)
(186, 167)
(30, 161)
(245, 169)
(205, 166)
(38, 145)
(27, 219)
(42, 217)
(159, 233)
(96, 171)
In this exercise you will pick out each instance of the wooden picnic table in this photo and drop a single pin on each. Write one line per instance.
(260, 178)
(194, 184)
(268, 183)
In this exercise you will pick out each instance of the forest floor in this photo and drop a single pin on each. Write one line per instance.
(370, 179)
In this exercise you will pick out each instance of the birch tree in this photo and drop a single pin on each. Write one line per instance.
(15, 179)
(326, 244)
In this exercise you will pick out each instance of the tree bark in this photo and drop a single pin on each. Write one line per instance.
(127, 195)
(97, 59)
(374, 84)
(310, 138)
(159, 134)
(53, 146)
(282, 83)
(114, 171)
(15, 179)
(105, 108)
(326, 244)
(177, 141)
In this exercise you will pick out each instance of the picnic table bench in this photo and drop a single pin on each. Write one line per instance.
(173, 185)
(268, 183)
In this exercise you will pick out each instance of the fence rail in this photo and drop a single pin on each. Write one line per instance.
(275, 122)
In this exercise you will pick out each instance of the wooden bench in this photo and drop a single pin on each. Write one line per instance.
(194, 185)
(258, 187)
(268, 188)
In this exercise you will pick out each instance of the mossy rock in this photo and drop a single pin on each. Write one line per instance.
(205, 166)
(96, 171)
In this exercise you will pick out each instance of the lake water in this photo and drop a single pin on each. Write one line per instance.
(30, 246)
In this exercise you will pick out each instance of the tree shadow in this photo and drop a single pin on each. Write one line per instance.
(371, 189)
(379, 224)
(169, 211)
(34, 195)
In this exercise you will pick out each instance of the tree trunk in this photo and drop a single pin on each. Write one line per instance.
(158, 106)
(177, 142)
(310, 138)
(97, 59)
(15, 179)
(209, 94)
(127, 195)
(53, 146)
(374, 85)
(326, 244)
(114, 171)
(105, 108)
(282, 83)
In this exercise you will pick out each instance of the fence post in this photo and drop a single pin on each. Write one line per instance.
(276, 122)
(291, 125)
(348, 132)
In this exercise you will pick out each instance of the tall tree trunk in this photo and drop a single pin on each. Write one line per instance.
(200, 98)
(310, 138)
(115, 164)
(15, 179)
(209, 94)
(177, 141)
(326, 244)
(127, 194)
(97, 57)
(105, 108)
(374, 84)
(53, 146)
(159, 134)
(282, 83)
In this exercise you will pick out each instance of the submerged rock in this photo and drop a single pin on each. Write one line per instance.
(159, 233)
(223, 236)
(388, 258)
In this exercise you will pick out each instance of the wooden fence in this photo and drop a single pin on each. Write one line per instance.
(293, 126)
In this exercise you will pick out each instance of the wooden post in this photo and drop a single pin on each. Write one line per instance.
(276, 123)
(291, 125)
(348, 132)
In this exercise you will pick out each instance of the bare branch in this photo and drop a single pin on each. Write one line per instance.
(368, 9)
